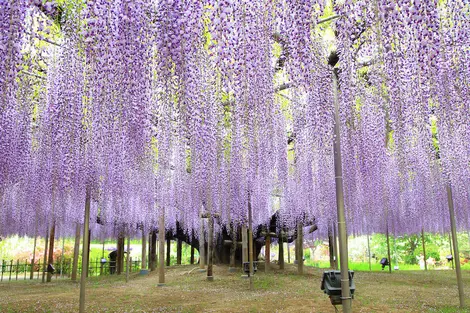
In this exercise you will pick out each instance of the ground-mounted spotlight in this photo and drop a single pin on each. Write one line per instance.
(50, 269)
(331, 285)
(384, 262)
(449, 258)
(246, 267)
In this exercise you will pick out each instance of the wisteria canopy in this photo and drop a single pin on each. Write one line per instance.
(190, 106)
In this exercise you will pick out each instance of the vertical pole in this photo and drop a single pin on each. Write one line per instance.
(102, 257)
(50, 259)
(34, 255)
(153, 252)
(281, 251)
(331, 248)
(161, 252)
(455, 245)
(191, 260)
(244, 244)
(388, 252)
(343, 252)
(424, 250)
(335, 248)
(300, 248)
(120, 255)
(451, 251)
(168, 251)
(144, 251)
(250, 242)
(267, 256)
(17, 267)
(11, 269)
(88, 255)
(296, 247)
(233, 248)
(179, 248)
(202, 250)
(76, 250)
(210, 249)
(25, 269)
(149, 252)
(288, 252)
(368, 250)
(45, 256)
(86, 228)
(62, 257)
(127, 257)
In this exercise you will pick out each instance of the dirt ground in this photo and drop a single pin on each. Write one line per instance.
(187, 290)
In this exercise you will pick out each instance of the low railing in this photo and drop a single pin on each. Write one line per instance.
(17, 270)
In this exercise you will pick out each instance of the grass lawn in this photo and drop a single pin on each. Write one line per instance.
(280, 291)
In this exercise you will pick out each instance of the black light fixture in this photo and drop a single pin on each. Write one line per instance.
(331, 285)
(449, 257)
(246, 267)
(50, 269)
(384, 262)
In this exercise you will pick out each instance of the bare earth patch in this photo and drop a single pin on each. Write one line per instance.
(278, 291)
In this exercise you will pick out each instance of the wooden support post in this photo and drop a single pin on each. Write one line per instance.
(44, 266)
(161, 239)
(153, 251)
(11, 269)
(368, 250)
(335, 248)
(424, 250)
(33, 260)
(281, 252)
(50, 259)
(179, 248)
(17, 268)
(388, 252)
(191, 260)
(345, 290)
(250, 242)
(244, 244)
(127, 257)
(86, 228)
(143, 267)
(233, 247)
(451, 252)
(168, 251)
(76, 251)
(296, 249)
(88, 255)
(120, 255)
(300, 249)
(202, 250)
(331, 249)
(455, 243)
(210, 249)
(288, 252)
(267, 254)
(149, 252)
(62, 257)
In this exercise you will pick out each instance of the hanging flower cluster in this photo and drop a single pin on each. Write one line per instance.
(180, 107)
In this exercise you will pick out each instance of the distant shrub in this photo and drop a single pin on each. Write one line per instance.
(410, 259)
(434, 254)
